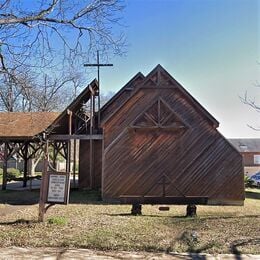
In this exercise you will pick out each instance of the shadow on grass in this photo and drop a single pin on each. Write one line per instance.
(252, 195)
(27, 197)
(18, 222)
(184, 218)
(85, 197)
(147, 215)
(191, 240)
(19, 197)
(240, 243)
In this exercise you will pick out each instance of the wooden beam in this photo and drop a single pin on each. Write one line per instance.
(74, 137)
(25, 167)
(168, 200)
(5, 166)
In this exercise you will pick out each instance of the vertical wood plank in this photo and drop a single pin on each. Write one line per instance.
(4, 184)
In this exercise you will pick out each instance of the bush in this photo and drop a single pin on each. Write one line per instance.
(11, 173)
(248, 182)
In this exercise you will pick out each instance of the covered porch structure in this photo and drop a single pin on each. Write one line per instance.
(25, 135)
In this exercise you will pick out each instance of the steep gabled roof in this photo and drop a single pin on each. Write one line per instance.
(20, 125)
(129, 86)
(159, 73)
(118, 99)
(160, 78)
(60, 125)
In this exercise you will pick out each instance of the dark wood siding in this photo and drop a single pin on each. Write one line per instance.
(84, 168)
(183, 146)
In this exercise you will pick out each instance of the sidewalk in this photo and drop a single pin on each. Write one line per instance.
(64, 253)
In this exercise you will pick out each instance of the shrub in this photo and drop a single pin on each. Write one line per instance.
(248, 182)
(11, 173)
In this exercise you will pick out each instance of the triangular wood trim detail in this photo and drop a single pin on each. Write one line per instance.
(155, 117)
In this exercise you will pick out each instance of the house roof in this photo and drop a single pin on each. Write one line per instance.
(20, 125)
(246, 144)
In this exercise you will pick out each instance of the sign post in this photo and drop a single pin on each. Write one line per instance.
(43, 189)
(54, 189)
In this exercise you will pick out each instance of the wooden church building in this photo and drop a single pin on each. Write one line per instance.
(152, 143)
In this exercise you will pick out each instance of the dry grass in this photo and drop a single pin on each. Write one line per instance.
(88, 223)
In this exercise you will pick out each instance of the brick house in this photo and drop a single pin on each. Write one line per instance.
(250, 150)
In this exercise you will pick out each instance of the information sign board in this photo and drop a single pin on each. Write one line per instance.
(58, 187)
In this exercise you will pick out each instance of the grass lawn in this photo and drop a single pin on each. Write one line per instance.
(88, 223)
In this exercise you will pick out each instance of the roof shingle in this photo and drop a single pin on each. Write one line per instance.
(24, 125)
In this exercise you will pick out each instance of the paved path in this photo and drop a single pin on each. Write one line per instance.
(31, 184)
(63, 253)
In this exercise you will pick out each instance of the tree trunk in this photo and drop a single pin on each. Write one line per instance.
(32, 163)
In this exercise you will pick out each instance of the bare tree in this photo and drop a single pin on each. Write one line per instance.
(50, 94)
(78, 80)
(13, 90)
(253, 103)
(54, 35)
(46, 93)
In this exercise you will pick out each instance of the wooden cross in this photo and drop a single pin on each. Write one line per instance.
(165, 181)
(98, 65)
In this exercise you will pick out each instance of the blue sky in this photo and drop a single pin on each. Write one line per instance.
(210, 46)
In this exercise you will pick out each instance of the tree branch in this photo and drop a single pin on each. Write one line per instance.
(12, 19)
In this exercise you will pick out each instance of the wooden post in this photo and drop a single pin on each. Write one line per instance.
(25, 166)
(5, 167)
(136, 209)
(44, 182)
(74, 163)
(25, 171)
(91, 144)
(91, 141)
(54, 155)
(69, 142)
(191, 210)
(74, 154)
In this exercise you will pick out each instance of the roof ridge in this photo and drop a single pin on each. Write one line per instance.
(139, 74)
(160, 68)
